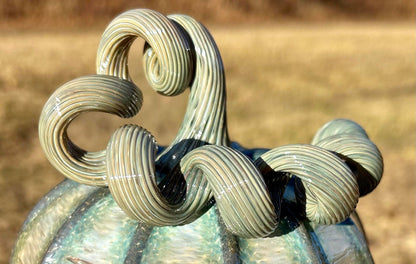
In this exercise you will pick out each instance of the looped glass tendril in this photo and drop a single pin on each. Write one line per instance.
(181, 183)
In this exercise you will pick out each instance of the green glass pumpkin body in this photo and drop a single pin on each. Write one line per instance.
(77, 223)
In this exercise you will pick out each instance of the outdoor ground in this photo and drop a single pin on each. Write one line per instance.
(283, 81)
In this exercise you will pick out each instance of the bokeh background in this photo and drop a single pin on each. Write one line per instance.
(291, 66)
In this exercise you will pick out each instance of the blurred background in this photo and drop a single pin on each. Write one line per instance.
(291, 66)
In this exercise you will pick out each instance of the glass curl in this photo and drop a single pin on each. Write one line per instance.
(175, 185)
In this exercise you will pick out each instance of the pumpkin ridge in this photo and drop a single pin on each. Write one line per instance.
(73, 218)
(35, 236)
(137, 246)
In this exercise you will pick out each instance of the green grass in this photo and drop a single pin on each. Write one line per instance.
(283, 83)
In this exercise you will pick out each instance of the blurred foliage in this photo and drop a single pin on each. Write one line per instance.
(223, 11)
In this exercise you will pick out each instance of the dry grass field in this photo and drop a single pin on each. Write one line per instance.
(283, 82)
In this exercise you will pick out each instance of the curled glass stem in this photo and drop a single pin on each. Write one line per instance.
(236, 184)
(181, 183)
(330, 188)
(179, 53)
(131, 155)
(239, 189)
(170, 72)
(350, 141)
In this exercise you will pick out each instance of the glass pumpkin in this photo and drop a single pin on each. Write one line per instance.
(203, 199)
